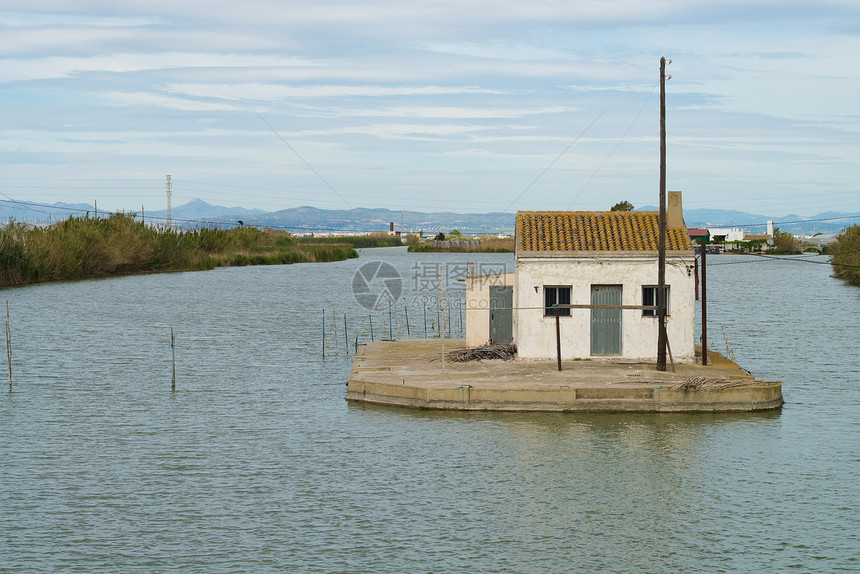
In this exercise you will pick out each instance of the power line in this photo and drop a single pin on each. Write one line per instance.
(757, 258)
(614, 148)
(298, 155)
(558, 157)
(778, 223)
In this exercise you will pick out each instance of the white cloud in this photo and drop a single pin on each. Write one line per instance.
(481, 91)
(272, 92)
(64, 67)
(150, 99)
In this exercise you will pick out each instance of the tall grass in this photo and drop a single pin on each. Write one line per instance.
(845, 255)
(83, 247)
(357, 241)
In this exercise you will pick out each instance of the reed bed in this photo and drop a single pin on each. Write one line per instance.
(85, 247)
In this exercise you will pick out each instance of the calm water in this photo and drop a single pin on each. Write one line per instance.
(257, 464)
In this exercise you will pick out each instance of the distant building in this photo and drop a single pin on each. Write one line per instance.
(701, 235)
(726, 235)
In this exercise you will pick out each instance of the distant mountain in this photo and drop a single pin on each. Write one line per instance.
(364, 219)
(311, 219)
(30, 212)
(197, 209)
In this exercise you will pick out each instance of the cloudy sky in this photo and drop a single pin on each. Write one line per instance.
(466, 105)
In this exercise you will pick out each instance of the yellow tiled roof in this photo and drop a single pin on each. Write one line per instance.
(596, 231)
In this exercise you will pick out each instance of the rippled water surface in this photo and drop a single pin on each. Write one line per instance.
(257, 464)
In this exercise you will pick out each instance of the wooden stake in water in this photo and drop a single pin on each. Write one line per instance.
(406, 314)
(334, 324)
(173, 356)
(9, 344)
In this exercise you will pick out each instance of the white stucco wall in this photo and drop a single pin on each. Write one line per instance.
(733, 234)
(535, 334)
(478, 305)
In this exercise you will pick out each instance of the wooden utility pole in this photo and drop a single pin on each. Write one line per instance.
(442, 314)
(704, 308)
(661, 256)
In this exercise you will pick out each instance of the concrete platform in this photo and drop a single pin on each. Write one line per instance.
(409, 374)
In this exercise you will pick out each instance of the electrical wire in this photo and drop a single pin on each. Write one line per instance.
(558, 157)
(298, 155)
(630, 127)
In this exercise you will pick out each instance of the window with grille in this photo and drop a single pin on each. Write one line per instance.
(557, 295)
(649, 297)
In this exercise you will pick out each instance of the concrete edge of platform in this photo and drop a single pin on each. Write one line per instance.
(748, 397)
(407, 374)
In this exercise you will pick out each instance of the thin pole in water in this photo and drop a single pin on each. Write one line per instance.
(323, 335)
(334, 322)
(345, 335)
(370, 320)
(460, 311)
(439, 319)
(425, 319)
(173, 358)
(406, 314)
(9, 344)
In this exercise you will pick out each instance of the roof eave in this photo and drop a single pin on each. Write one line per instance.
(522, 253)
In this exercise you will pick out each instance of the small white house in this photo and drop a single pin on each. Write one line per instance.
(595, 258)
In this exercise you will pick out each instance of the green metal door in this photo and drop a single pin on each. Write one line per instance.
(501, 315)
(606, 323)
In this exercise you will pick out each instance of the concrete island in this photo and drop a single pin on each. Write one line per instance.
(410, 373)
(590, 292)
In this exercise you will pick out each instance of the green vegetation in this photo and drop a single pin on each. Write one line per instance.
(488, 244)
(355, 241)
(753, 245)
(845, 255)
(83, 247)
(784, 242)
(622, 206)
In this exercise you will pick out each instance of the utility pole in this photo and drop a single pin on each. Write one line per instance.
(704, 307)
(661, 256)
(169, 208)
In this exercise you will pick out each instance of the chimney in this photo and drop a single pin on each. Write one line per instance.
(391, 226)
(674, 211)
